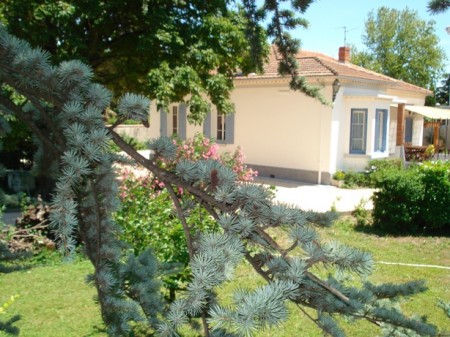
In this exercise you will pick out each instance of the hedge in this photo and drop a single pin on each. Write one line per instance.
(414, 200)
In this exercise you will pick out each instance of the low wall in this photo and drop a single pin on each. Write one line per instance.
(291, 174)
(139, 132)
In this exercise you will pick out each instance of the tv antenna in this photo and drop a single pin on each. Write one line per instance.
(346, 30)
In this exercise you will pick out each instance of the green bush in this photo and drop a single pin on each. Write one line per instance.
(149, 220)
(136, 144)
(435, 177)
(377, 168)
(339, 175)
(355, 179)
(375, 171)
(414, 200)
(397, 202)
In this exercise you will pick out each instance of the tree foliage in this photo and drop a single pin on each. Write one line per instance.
(71, 104)
(442, 91)
(401, 45)
(438, 6)
(169, 50)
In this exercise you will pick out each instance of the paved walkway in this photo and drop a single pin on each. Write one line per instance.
(320, 198)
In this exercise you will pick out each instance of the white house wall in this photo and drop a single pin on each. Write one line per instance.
(357, 162)
(281, 129)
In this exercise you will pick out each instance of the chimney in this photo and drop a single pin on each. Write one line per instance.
(344, 54)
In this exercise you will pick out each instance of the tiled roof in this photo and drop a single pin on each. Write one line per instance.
(313, 64)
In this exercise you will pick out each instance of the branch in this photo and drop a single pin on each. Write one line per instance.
(48, 121)
(119, 121)
(168, 176)
(323, 284)
(257, 267)
(96, 210)
(182, 218)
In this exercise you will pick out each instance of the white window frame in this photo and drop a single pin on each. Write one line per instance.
(381, 126)
(358, 131)
(221, 134)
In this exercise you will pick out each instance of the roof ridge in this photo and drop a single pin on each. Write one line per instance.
(371, 72)
(325, 65)
(316, 64)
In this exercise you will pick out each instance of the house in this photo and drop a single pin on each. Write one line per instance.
(287, 135)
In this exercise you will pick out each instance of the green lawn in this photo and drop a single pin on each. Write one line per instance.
(54, 301)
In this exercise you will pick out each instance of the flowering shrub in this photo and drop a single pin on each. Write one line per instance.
(149, 219)
(201, 147)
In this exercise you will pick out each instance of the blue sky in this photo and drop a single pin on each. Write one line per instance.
(328, 17)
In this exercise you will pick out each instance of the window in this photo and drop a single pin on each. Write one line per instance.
(358, 127)
(174, 123)
(408, 130)
(174, 120)
(221, 128)
(381, 117)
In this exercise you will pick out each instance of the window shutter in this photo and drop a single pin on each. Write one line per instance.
(408, 130)
(163, 126)
(207, 125)
(229, 124)
(378, 146)
(385, 129)
(182, 118)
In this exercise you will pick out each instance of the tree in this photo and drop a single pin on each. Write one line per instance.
(401, 45)
(168, 50)
(127, 286)
(438, 6)
(442, 91)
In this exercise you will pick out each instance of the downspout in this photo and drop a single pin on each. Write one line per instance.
(400, 136)
(319, 171)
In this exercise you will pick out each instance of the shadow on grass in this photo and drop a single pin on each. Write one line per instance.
(96, 329)
(8, 327)
(383, 231)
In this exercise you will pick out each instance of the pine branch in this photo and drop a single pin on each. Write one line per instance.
(96, 223)
(182, 218)
(168, 176)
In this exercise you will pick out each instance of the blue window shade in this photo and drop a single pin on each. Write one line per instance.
(182, 119)
(408, 130)
(207, 125)
(163, 125)
(229, 123)
(358, 131)
(381, 117)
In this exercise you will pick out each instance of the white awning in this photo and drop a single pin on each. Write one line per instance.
(430, 112)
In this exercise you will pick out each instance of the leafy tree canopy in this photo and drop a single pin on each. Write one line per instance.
(403, 46)
(167, 50)
(442, 91)
(438, 6)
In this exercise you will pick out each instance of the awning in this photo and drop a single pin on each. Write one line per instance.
(430, 112)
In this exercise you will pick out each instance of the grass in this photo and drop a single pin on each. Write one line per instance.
(54, 300)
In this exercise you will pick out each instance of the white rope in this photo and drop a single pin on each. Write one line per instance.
(414, 265)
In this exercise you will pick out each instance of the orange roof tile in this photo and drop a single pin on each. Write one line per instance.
(313, 64)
